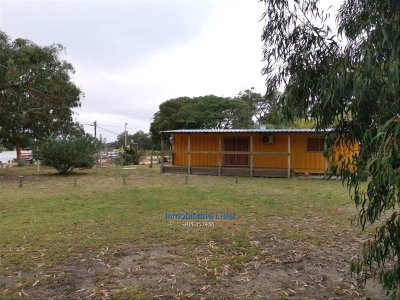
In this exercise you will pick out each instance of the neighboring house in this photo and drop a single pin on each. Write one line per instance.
(246, 152)
(11, 156)
(7, 156)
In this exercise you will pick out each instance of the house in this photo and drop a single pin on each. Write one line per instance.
(246, 152)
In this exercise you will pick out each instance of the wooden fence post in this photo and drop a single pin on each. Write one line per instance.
(288, 158)
(188, 156)
(124, 176)
(220, 156)
(20, 181)
(251, 156)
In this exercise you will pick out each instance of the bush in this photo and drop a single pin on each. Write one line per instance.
(21, 163)
(69, 152)
(131, 157)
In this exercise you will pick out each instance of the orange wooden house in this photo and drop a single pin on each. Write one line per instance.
(244, 152)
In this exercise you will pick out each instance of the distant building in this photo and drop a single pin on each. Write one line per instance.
(7, 156)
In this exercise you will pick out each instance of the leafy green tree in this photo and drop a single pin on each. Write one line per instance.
(348, 80)
(143, 140)
(201, 112)
(216, 112)
(167, 117)
(139, 140)
(257, 104)
(267, 109)
(36, 93)
(65, 153)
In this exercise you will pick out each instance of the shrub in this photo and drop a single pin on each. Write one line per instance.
(69, 152)
(131, 157)
(21, 163)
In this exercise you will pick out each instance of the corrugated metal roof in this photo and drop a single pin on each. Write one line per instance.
(287, 130)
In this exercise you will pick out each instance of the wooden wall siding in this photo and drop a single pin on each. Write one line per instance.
(301, 159)
(279, 145)
(345, 150)
(198, 142)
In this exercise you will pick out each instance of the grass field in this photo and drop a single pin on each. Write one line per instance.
(105, 240)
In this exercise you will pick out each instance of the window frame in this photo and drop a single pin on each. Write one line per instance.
(320, 145)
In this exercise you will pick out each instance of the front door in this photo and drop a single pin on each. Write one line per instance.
(236, 145)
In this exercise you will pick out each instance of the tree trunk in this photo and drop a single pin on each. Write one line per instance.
(18, 149)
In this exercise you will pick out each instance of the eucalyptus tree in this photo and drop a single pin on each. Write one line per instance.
(36, 92)
(265, 109)
(349, 79)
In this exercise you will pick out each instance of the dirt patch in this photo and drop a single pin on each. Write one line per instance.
(275, 269)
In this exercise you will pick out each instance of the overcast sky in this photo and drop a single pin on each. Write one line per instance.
(130, 56)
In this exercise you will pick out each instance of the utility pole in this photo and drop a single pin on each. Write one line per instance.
(95, 128)
(101, 156)
(126, 135)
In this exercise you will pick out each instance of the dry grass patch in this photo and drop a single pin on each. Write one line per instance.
(105, 240)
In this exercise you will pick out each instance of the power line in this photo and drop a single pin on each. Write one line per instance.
(107, 130)
(112, 126)
(126, 135)
(91, 124)
(118, 126)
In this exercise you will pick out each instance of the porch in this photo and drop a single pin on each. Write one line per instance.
(226, 171)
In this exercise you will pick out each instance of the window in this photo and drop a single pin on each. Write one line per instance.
(315, 144)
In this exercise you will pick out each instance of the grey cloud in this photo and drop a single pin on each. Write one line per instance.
(103, 34)
(139, 101)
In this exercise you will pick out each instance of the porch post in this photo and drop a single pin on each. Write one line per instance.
(288, 159)
(189, 162)
(251, 155)
(162, 154)
(220, 156)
